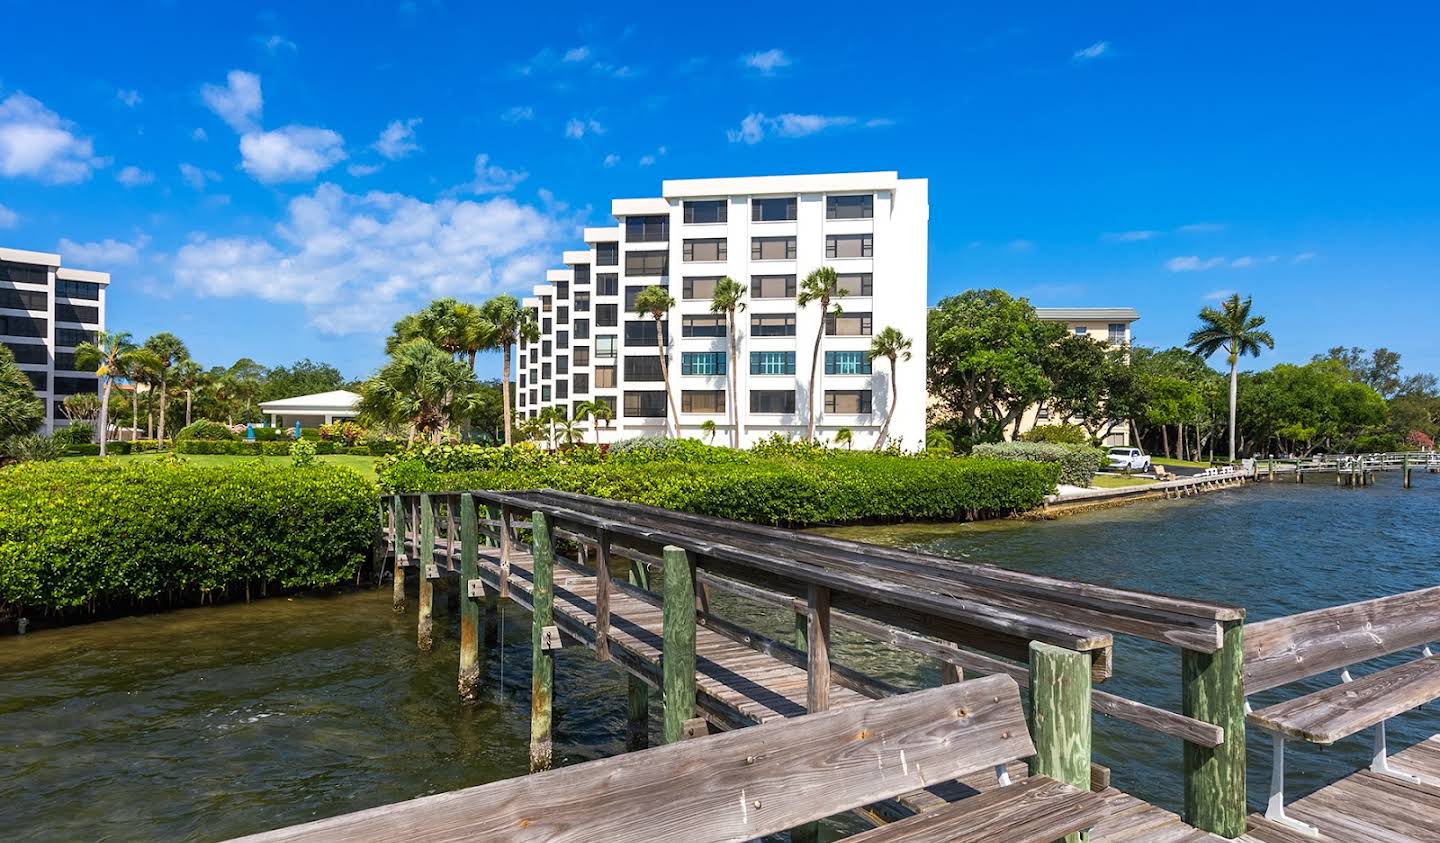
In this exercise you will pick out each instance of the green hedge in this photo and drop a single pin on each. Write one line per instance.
(205, 429)
(77, 533)
(83, 450)
(1078, 463)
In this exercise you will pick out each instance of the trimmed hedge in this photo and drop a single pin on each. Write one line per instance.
(83, 450)
(205, 429)
(1078, 463)
(77, 533)
(825, 487)
(244, 448)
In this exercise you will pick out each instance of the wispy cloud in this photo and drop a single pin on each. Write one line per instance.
(199, 135)
(575, 54)
(238, 102)
(37, 143)
(1193, 263)
(278, 44)
(492, 178)
(8, 218)
(362, 170)
(577, 128)
(518, 114)
(128, 96)
(1201, 228)
(134, 177)
(1021, 245)
(290, 154)
(105, 252)
(1304, 257)
(1219, 295)
(398, 139)
(197, 177)
(756, 126)
(766, 62)
(1092, 52)
(1132, 236)
(612, 159)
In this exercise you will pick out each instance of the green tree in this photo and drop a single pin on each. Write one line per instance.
(106, 356)
(893, 346)
(656, 302)
(1233, 329)
(21, 413)
(845, 437)
(728, 298)
(422, 388)
(188, 377)
(820, 286)
(167, 352)
(303, 377)
(513, 324)
(247, 379)
(596, 411)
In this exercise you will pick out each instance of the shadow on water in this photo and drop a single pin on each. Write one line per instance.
(206, 723)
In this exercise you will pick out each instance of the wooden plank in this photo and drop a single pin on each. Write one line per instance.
(472, 625)
(739, 785)
(1037, 810)
(1060, 720)
(1326, 716)
(1212, 690)
(602, 597)
(542, 610)
(678, 657)
(817, 614)
(425, 622)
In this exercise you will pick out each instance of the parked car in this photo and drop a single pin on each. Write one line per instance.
(1129, 459)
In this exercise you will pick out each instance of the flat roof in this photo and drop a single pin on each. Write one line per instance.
(1119, 314)
(814, 183)
(35, 258)
(339, 400)
(66, 273)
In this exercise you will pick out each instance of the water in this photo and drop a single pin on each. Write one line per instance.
(206, 723)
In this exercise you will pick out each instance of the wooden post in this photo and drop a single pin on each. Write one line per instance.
(802, 631)
(492, 601)
(507, 544)
(602, 595)
(397, 531)
(542, 680)
(1405, 471)
(425, 629)
(637, 732)
(471, 607)
(1213, 691)
(817, 612)
(677, 659)
(1060, 716)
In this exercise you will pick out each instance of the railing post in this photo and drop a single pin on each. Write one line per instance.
(1213, 690)
(425, 629)
(492, 601)
(817, 613)
(507, 544)
(397, 532)
(1405, 471)
(1060, 720)
(542, 680)
(677, 659)
(471, 608)
(602, 595)
(637, 697)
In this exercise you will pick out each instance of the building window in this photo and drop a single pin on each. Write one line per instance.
(582, 355)
(702, 363)
(630, 295)
(582, 273)
(1082, 330)
(1117, 333)
(643, 368)
(562, 290)
(702, 401)
(772, 248)
(702, 326)
(32, 353)
(562, 389)
(850, 207)
(1042, 413)
(78, 290)
(772, 325)
(562, 364)
(645, 405)
(68, 336)
(582, 302)
(39, 381)
(582, 329)
(604, 377)
(75, 386)
(24, 273)
(607, 254)
(64, 360)
(847, 401)
(545, 350)
(545, 393)
(534, 399)
(849, 245)
(772, 210)
(534, 376)
(772, 362)
(707, 211)
(772, 400)
(607, 315)
(772, 286)
(27, 300)
(562, 314)
(582, 383)
(704, 250)
(654, 229)
(854, 284)
(545, 304)
(562, 339)
(699, 288)
(545, 371)
(647, 263)
(523, 382)
(643, 331)
(546, 325)
(608, 401)
(847, 363)
(847, 325)
(605, 347)
(520, 399)
(607, 284)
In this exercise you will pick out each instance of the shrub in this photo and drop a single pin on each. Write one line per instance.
(309, 432)
(76, 433)
(1078, 463)
(205, 429)
(73, 533)
(86, 450)
(344, 432)
(939, 441)
(265, 434)
(140, 446)
(121, 449)
(302, 453)
(32, 447)
(357, 450)
(1057, 434)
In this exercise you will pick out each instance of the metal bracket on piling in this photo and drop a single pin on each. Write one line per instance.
(550, 638)
(475, 588)
(432, 571)
(695, 727)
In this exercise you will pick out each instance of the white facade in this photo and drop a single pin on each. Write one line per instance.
(1109, 325)
(45, 311)
(768, 233)
(312, 410)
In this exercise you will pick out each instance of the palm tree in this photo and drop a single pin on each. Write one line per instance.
(820, 286)
(107, 356)
(893, 346)
(548, 417)
(513, 324)
(189, 377)
(141, 365)
(1235, 330)
(596, 411)
(422, 387)
(726, 299)
(571, 433)
(656, 302)
(843, 436)
(169, 351)
(708, 428)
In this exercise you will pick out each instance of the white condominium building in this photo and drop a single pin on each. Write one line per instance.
(45, 311)
(768, 233)
(1108, 325)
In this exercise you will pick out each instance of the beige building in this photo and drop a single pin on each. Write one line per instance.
(1110, 325)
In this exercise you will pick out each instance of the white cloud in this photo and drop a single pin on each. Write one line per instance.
(1201, 228)
(356, 261)
(398, 139)
(577, 128)
(1242, 262)
(575, 54)
(766, 62)
(294, 153)
(279, 43)
(879, 122)
(199, 135)
(1094, 51)
(363, 169)
(756, 126)
(1304, 257)
(647, 160)
(1193, 263)
(36, 142)
(8, 218)
(239, 102)
(129, 97)
(105, 252)
(612, 159)
(1132, 236)
(1219, 295)
(197, 177)
(518, 113)
(492, 178)
(134, 176)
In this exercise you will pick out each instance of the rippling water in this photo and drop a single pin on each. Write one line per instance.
(207, 723)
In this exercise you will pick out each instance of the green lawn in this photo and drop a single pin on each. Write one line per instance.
(1116, 481)
(364, 465)
(1159, 460)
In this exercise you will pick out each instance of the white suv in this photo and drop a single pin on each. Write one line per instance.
(1129, 459)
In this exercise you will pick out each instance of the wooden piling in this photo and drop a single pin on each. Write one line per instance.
(678, 656)
(1060, 718)
(507, 543)
(602, 596)
(471, 603)
(542, 679)
(637, 731)
(425, 627)
(1212, 690)
(1405, 472)
(492, 597)
(817, 605)
(397, 532)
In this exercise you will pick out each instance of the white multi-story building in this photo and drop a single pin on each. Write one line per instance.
(768, 233)
(45, 311)
(1109, 325)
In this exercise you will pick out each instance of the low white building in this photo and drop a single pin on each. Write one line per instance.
(1108, 325)
(312, 410)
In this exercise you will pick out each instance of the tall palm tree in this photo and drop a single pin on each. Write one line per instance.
(1235, 330)
(169, 350)
(141, 369)
(596, 412)
(106, 355)
(820, 286)
(188, 376)
(656, 302)
(893, 346)
(845, 437)
(727, 299)
(513, 323)
(422, 387)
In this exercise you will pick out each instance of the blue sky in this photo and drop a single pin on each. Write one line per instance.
(285, 182)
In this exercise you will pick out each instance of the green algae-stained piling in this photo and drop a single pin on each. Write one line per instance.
(425, 626)
(1060, 718)
(1213, 690)
(542, 681)
(398, 528)
(471, 603)
(678, 659)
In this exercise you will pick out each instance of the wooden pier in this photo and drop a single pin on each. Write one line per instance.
(1349, 470)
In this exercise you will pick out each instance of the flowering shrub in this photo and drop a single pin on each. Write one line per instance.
(346, 432)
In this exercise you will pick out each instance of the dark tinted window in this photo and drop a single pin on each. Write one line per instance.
(77, 289)
(24, 326)
(847, 401)
(707, 210)
(643, 331)
(582, 329)
(647, 263)
(776, 325)
(23, 299)
(607, 254)
(772, 401)
(37, 379)
(643, 368)
(75, 386)
(647, 229)
(607, 284)
(607, 315)
(582, 355)
(24, 273)
(582, 273)
(28, 352)
(702, 326)
(582, 302)
(645, 405)
(772, 210)
(582, 383)
(850, 207)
